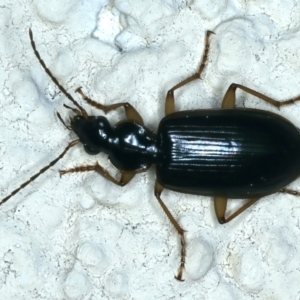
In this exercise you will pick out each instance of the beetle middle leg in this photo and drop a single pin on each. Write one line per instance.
(170, 100)
(126, 176)
(230, 97)
(130, 111)
(157, 191)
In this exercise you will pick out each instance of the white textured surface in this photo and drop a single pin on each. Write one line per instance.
(80, 237)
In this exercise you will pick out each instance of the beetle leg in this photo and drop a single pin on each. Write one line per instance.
(220, 209)
(229, 98)
(289, 191)
(158, 188)
(125, 176)
(170, 100)
(130, 111)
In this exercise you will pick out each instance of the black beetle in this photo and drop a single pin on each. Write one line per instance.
(222, 153)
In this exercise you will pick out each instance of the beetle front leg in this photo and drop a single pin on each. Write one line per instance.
(130, 111)
(220, 209)
(125, 176)
(157, 191)
(170, 100)
(229, 98)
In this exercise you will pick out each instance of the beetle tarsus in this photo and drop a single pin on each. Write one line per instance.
(183, 255)
(180, 272)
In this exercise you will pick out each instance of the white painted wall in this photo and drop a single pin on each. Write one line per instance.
(80, 237)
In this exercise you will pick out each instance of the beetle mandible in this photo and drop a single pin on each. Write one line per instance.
(222, 153)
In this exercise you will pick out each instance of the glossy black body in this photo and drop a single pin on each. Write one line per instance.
(130, 146)
(237, 153)
(234, 153)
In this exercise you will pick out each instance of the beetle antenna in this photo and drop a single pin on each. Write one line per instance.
(61, 119)
(76, 111)
(52, 163)
(37, 54)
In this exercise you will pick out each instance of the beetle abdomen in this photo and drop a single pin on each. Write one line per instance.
(234, 153)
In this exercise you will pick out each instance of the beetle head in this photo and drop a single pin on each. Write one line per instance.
(94, 133)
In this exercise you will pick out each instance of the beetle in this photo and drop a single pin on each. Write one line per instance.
(222, 153)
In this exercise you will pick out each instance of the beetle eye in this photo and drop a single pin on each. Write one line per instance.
(90, 151)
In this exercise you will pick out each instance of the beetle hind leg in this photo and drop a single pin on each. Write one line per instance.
(220, 204)
(291, 192)
(157, 191)
(230, 97)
